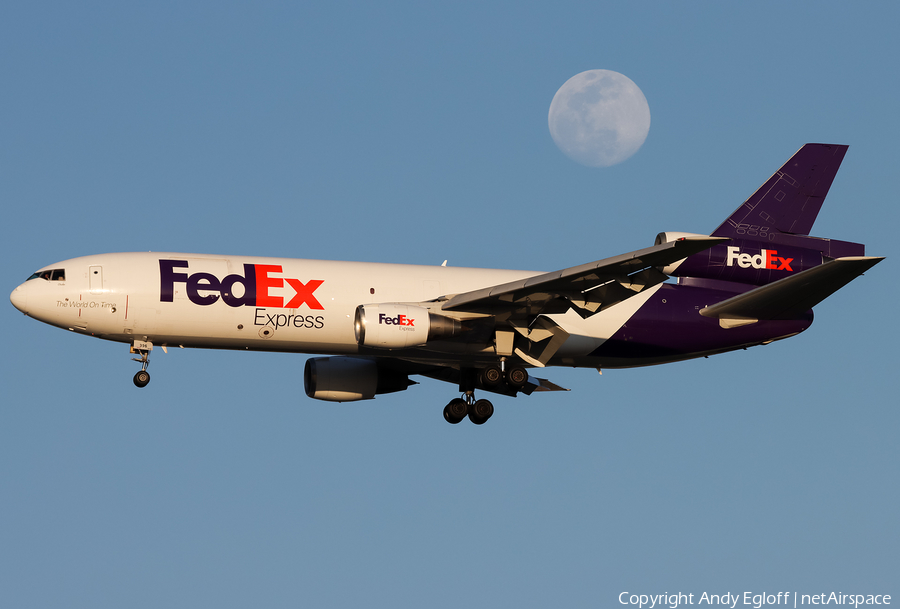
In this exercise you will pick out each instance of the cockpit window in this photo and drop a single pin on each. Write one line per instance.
(50, 275)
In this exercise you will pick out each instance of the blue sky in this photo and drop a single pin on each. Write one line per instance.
(401, 132)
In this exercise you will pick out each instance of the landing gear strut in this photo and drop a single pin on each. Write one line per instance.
(142, 377)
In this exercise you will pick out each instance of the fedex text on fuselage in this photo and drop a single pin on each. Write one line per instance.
(255, 284)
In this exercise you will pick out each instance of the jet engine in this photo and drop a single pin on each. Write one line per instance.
(348, 379)
(668, 237)
(397, 326)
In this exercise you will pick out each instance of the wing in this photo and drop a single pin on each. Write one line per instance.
(396, 368)
(588, 288)
(519, 308)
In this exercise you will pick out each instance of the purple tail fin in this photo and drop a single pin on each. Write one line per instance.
(789, 201)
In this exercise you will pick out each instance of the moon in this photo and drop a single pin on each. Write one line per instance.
(599, 118)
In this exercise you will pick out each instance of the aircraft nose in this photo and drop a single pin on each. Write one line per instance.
(19, 298)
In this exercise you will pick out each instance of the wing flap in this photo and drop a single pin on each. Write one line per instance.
(544, 338)
(790, 297)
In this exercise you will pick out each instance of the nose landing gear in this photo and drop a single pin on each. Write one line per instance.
(143, 349)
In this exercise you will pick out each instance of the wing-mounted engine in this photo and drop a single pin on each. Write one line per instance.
(398, 326)
(348, 379)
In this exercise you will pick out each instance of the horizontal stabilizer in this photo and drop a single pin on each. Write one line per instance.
(790, 297)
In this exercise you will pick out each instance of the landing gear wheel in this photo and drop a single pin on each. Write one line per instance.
(455, 411)
(141, 378)
(491, 375)
(480, 412)
(516, 377)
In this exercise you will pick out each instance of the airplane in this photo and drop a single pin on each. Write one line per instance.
(752, 281)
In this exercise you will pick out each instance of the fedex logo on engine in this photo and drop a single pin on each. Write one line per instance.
(399, 320)
(764, 260)
(255, 284)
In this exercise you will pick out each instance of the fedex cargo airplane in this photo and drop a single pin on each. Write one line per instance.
(752, 281)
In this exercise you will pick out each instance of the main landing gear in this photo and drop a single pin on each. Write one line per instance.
(515, 376)
(479, 411)
(142, 377)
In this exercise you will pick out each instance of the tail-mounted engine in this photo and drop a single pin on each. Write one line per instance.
(397, 326)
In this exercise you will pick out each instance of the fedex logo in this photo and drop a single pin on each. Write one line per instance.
(764, 260)
(400, 320)
(255, 284)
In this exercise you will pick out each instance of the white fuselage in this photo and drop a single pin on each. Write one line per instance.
(304, 306)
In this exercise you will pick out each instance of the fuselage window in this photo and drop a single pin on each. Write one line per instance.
(58, 275)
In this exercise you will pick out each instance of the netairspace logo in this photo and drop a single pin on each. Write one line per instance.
(751, 599)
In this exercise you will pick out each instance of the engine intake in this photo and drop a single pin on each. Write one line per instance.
(397, 326)
(669, 236)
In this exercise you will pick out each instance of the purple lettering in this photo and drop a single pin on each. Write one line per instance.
(168, 277)
(205, 282)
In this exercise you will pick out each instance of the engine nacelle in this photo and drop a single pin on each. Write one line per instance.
(668, 237)
(348, 379)
(398, 326)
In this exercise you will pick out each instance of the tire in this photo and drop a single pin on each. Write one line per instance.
(516, 377)
(141, 378)
(491, 376)
(455, 411)
(480, 412)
